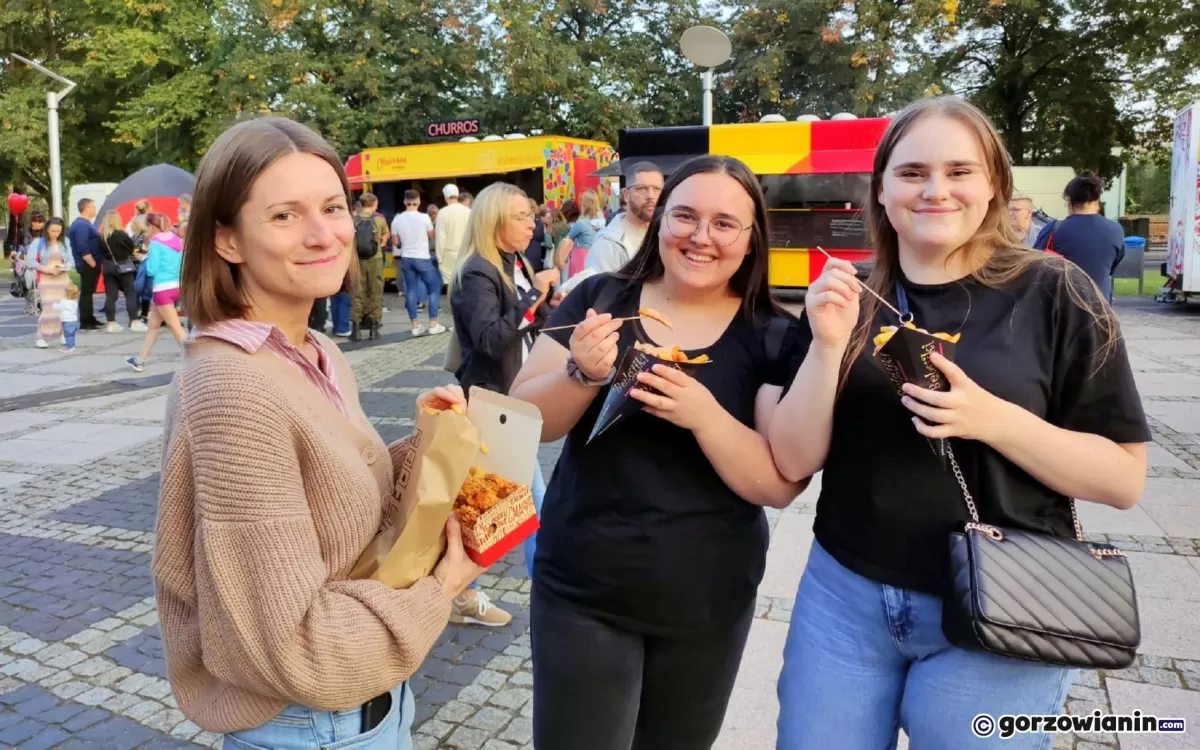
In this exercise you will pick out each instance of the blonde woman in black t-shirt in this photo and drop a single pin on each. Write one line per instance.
(653, 537)
(1042, 407)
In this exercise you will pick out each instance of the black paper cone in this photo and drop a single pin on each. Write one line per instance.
(618, 405)
(905, 358)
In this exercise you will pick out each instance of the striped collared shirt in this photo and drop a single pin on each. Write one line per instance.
(253, 336)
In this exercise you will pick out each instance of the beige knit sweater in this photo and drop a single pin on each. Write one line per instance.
(269, 495)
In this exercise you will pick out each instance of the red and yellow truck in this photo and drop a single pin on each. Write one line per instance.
(816, 175)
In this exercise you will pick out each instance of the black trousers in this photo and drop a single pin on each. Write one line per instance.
(599, 687)
(89, 277)
(119, 283)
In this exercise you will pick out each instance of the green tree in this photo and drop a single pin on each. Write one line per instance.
(1066, 81)
(588, 68)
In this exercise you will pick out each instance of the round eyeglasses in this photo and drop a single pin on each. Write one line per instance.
(723, 230)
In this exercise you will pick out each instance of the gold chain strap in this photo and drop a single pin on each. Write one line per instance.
(996, 534)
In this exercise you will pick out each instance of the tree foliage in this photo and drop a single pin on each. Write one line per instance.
(1065, 81)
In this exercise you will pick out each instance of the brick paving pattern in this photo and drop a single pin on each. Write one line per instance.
(81, 662)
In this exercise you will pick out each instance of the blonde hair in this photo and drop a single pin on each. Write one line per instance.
(489, 211)
(589, 204)
(138, 225)
(995, 252)
(71, 292)
(110, 223)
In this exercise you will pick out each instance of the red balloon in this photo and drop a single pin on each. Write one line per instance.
(17, 203)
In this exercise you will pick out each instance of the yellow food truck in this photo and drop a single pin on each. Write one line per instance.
(549, 168)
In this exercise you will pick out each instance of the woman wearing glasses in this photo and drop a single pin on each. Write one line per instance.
(499, 303)
(653, 537)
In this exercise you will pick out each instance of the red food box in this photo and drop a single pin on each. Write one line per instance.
(511, 431)
(499, 529)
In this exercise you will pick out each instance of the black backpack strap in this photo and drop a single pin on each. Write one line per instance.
(610, 287)
(777, 328)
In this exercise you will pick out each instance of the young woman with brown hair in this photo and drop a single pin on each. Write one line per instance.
(1042, 407)
(273, 479)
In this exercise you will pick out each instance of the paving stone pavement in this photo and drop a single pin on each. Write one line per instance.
(81, 662)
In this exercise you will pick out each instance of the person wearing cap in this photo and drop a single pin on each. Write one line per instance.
(450, 231)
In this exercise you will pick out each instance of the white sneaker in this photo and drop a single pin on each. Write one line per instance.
(437, 327)
(137, 326)
(419, 331)
(114, 327)
(41, 344)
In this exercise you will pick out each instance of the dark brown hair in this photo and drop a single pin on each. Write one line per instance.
(995, 252)
(1084, 189)
(411, 195)
(208, 283)
(749, 283)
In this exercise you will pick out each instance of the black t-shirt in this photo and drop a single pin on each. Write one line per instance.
(637, 527)
(887, 504)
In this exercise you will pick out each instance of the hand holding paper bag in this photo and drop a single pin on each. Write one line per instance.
(431, 467)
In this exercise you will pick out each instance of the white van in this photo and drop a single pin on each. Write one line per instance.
(97, 191)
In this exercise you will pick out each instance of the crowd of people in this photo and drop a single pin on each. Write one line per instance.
(653, 534)
(47, 252)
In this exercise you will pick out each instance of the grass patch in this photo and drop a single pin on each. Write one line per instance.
(1152, 281)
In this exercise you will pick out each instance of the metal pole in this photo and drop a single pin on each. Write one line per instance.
(706, 80)
(55, 157)
(52, 100)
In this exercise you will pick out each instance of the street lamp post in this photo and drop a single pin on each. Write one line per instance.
(52, 100)
(707, 48)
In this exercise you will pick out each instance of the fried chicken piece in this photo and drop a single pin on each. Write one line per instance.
(482, 490)
(467, 515)
(652, 314)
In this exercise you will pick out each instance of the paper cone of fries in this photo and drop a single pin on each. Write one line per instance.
(640, 358)
(905, 358)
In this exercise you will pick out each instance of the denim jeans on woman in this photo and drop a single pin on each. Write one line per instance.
(539, 492)
(864, 660)
(300, 728)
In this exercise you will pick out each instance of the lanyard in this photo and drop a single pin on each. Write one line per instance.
(902, 300)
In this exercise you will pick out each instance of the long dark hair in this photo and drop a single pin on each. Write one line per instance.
(750, 282)
(55, 222)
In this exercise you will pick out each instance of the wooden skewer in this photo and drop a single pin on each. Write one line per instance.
(563, 328)
(869, 289)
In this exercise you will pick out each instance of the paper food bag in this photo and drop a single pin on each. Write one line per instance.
(905, 358)
(617, 404)
(512, 431)
(433, 465)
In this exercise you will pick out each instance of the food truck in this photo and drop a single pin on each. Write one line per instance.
(815, 173)
(1182, 267)
(549, 168)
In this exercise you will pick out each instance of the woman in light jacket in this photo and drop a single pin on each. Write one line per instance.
(50, 257)
(163, 261)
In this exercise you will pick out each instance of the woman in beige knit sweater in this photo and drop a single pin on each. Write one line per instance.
(273, 480)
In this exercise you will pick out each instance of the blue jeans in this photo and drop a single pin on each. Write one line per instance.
(69, 331)
(417, 272)
(300, 728)
(539, 493)
(339, 311)
(863, 660)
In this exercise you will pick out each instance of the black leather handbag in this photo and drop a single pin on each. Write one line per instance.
(1039, 597)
